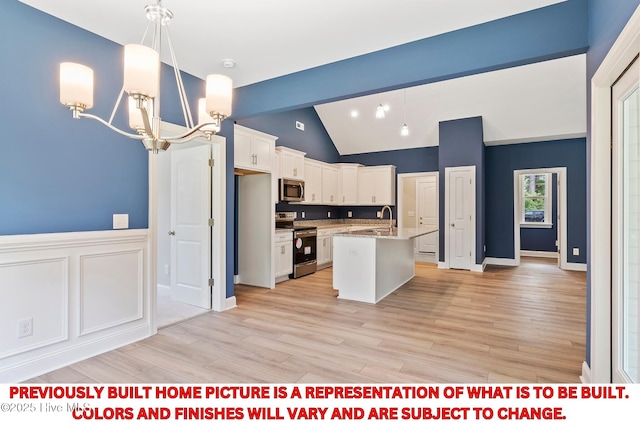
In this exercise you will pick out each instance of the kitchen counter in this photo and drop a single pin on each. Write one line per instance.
(370, 264)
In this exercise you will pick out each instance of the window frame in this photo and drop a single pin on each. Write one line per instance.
(548, 205)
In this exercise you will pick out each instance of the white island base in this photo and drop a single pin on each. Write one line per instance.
(367, 266)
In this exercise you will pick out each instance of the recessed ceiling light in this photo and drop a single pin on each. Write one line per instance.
(354, 113)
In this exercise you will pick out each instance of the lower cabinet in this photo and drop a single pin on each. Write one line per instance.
(283, 255)
(323, 248)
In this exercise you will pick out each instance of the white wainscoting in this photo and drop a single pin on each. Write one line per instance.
(84, 293)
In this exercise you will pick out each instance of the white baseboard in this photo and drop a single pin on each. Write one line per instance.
(236, 279)
(479, 268)
(443, 265)
(585, 378)
(575, 266)
(539, 254)
(509, 262)
(230, 303)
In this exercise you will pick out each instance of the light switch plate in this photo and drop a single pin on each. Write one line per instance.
(120, 221)
(576, 251)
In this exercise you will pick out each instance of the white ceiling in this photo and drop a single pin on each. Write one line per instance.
(268, 39)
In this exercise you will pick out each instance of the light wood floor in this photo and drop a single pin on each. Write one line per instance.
(524, 325)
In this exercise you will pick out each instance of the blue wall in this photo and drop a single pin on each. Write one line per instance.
(58, 174)
(542, 239)
(462, 144)
(502, 160)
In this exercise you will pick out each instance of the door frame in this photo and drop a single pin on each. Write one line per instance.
(447, 213)
(561, 173)
(218, 235)
(598, 368)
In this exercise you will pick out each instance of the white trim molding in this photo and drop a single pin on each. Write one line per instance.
(621, 54)
(576, 266)
(539, 254)
(60, 281)
(507, 262)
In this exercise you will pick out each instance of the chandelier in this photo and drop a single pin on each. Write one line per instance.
(142, 85)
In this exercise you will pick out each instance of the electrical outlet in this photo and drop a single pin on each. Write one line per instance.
(302, 215)
(25, 327)
(166, 269)
(120, 221)
(299, 125)
(576, 251)
(349, 214)
(379, 214)
(328, 214)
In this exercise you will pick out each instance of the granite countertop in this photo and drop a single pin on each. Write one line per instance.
(386, 233)
(341, 223)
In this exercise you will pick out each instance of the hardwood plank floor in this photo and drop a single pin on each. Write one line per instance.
(522, 325)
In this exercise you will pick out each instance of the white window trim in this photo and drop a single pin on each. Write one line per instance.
(548, 206)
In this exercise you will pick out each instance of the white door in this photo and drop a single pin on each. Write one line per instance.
(190, 230)
(625, 213)
(427, 206)
(460, 188)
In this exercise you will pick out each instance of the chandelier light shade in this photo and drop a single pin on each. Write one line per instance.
(405, 130)
(219, 95)
(141, 70)
(380, 112)
(76, 86)
(142, 85)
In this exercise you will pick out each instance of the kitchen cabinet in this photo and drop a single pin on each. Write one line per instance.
(324, 249)
(253, 150)
(377, 185)
(348, 184)
(312, 182)
(330, 177)
(291, 163)
(283, 255)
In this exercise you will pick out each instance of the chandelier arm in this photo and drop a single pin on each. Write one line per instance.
(110, 126)
(184, 101)
(145, 119)
(191, 134)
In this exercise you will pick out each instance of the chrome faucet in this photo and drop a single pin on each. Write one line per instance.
(390, 216)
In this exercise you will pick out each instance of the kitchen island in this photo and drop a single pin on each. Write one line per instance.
(370, 264)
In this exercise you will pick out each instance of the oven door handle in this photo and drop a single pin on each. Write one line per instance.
(301, 191)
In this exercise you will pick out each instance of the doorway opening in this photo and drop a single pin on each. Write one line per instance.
(418, 207)
(540, 214)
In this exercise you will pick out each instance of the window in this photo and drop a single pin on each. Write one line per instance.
(536, 192)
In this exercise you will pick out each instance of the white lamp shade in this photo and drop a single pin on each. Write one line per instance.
(141, 70)
(204, 117)
(135, 114)
(219, 94)
(76, 85)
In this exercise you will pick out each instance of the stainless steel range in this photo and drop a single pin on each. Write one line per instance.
(304, 244)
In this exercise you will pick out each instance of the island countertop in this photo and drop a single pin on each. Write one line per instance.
(403, 233)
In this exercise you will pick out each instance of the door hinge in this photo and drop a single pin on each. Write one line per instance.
(212, 162)
(210, 222)
(211, 282)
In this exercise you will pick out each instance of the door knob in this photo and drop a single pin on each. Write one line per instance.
(172, 233)
(452, 224)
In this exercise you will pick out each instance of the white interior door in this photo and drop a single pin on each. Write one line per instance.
(461, 200)
(427, 207)
(190, 230)
(625, 213)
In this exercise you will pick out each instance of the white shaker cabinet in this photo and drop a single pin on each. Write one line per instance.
(253, 150)
(348, 184)
(291, 163)
(377, 185)
(330, 176)
(324, 249)
(312, 182)
(283, 255)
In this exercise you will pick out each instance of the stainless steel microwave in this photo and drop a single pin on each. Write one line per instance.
(291, 190)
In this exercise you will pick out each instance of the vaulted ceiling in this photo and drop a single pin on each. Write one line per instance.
(279, 37)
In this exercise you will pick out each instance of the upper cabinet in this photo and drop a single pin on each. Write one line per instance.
(377, 185)
(348, 183)
(312, 182)
(329, 184)
(253, 150)
(291, 163)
